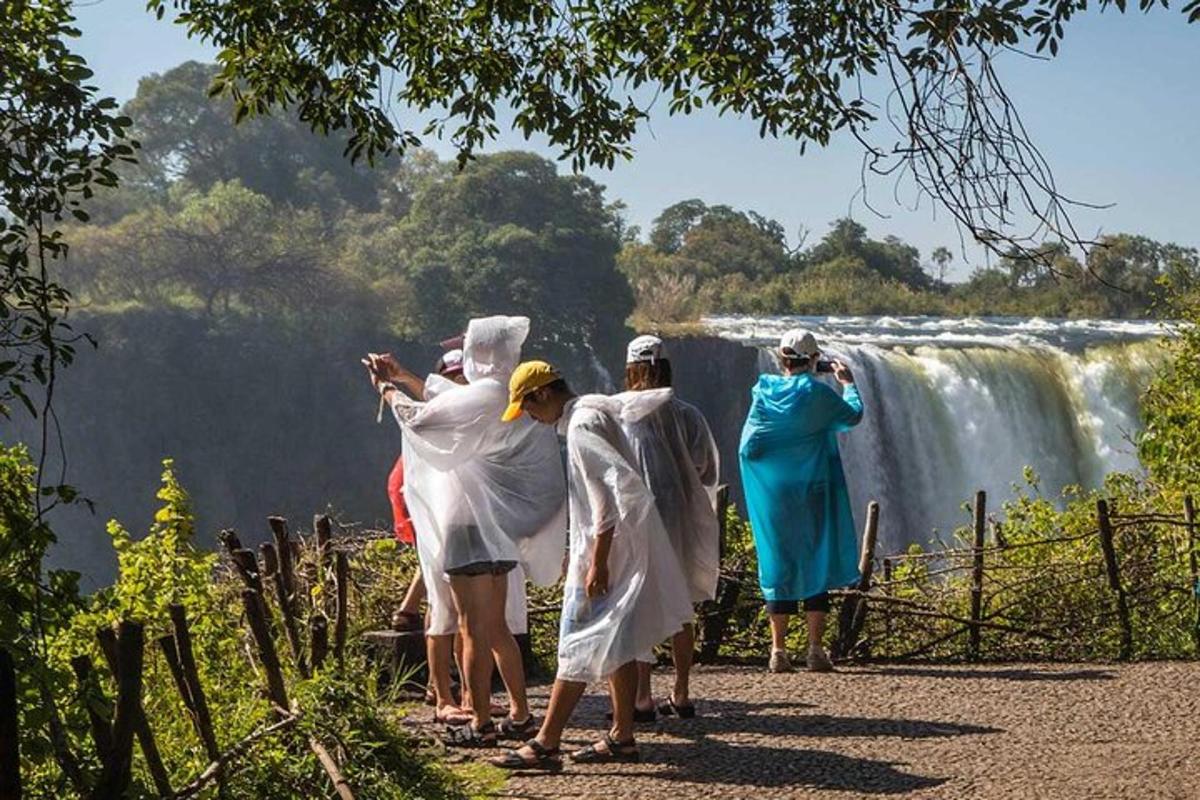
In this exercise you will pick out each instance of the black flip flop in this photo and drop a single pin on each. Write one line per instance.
(670, 709)
(544, 758)
(617, 752)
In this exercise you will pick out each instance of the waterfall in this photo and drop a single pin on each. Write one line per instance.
(953, 406)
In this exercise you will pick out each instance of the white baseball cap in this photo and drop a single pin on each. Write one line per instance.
(798, 343)
(645, 349)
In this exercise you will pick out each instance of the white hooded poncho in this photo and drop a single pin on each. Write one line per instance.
(679, 462)
(480, 489)
(647, 598)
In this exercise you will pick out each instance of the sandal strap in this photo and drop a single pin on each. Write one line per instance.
(540, 750)
(613, 744)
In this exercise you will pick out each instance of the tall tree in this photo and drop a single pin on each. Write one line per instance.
(508, 234)
(799, 68)
(941, 258)
(187, 134)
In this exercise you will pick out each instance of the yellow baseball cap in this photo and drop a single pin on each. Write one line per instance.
(527, 377)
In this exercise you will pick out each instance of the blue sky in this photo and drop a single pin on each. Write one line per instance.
(1116, 114)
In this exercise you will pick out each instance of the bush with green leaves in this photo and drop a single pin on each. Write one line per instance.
(342, 708)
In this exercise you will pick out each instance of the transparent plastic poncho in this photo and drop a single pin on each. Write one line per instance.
(648, 598)
(481, 489)
(679, 462)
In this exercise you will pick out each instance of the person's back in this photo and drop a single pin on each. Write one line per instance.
(796, 417)
(674, 449)
(796, 493)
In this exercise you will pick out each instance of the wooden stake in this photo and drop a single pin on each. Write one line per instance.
(252, 603)
(91, 694)
(339, 625)
(324, 532)
(291, 626)
(10, 738)
(887, 609)
(116, 771)
(977, 575)
(246, 566)
(1189, 517)
(854, 608)
(111, 648)
(191, 677)
(229, 540)
(283, 548)
(318, 628)
(1114, 578)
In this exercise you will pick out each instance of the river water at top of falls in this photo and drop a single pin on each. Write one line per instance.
(957, 405)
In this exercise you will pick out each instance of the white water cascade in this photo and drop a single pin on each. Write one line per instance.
(957, 405)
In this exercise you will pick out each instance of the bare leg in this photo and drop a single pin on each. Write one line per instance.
(437, 651)
(563, 699)
(645, 698)
(683, 645)
(816, 627)
(415, 594)
(473, 596)
(779, 625)
(623, 685)
(508, 655)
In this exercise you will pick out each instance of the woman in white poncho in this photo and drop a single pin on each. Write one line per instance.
(621, 594)
(441, 621)
(485, 497)
(678, 458)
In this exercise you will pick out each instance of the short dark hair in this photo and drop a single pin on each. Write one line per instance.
(648, 375)
(559, 386)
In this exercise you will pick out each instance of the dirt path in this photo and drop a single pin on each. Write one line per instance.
(1010, 731)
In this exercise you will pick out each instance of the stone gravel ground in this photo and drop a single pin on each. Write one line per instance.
(994, 731)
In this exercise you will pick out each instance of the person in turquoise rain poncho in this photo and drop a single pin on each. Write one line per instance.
(796, 493)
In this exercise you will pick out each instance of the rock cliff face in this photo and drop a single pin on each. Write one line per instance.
(715, 375)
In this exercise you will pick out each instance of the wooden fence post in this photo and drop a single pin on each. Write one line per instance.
(887, 607)
(276, 690)
(110, 647)
(291, 627)
(191, 678)
(318, 630)
(1189, 516)
(283, 549)
(980, 530)
(10, 739)
(716, 615)
(91, 695)
(342, 574)
(854, 607)
(116, 771)
(323, 529)
(1114, 578)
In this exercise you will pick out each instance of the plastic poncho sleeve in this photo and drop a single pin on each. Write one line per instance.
(847, 410)
(703, 449)
(449, 428)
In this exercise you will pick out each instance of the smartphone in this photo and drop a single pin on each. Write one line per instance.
(824, 366)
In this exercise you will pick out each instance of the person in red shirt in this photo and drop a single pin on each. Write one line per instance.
(408, 616)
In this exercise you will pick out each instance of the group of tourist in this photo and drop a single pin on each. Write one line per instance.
(482, 491)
